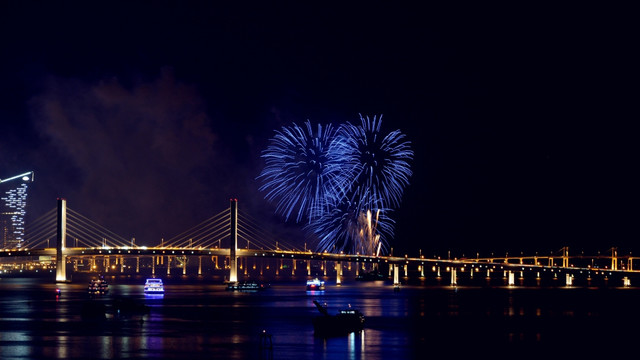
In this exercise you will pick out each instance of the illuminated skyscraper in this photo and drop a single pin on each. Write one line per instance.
(13, 211)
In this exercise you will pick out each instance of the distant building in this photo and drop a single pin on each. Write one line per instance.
(13, 204)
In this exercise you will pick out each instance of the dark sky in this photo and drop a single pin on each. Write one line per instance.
(147, 116)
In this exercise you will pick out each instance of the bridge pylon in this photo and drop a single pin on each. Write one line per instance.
(233, 247)
(61, 258)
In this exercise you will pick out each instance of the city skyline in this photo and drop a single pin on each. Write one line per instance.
(13, 211)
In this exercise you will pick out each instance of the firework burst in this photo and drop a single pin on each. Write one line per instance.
(345, 182)
(345, 228)
(377, 165)
(296, 175)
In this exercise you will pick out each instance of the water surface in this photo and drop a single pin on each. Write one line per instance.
(200, 319)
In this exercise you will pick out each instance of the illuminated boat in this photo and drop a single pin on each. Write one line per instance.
(344, 322)
(98, 286)
(246, 286)
(315, 285)
(154, 286)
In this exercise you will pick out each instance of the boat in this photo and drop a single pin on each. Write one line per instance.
(315, 285)
(249, 285)
(371, 276)
(98, 286)
(344, 322)
(153, 286)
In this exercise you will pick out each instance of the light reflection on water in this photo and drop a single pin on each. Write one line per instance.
(203, 320)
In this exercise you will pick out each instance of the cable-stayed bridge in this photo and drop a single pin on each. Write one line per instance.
(231, 236)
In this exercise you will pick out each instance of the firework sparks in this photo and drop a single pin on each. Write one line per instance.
(337, 179)
(296, 175)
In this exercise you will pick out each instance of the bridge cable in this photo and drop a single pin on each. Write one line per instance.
(41, 229)
(182, 239)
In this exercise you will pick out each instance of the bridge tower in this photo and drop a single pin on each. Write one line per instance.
(233, 247)
(565, 256)
(61, 258)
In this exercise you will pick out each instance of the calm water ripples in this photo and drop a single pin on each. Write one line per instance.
(201, 320)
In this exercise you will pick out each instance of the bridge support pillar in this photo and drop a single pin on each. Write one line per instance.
(511, 276)
(454, 276)
(406, 270)
(168, 265)
(338, 273)
(293, 268)
(137, 264)
(421, 270)
(396, 277)
(153, 265)
(184, 265)
(568, 279)
(61, 258)
(199, 265)
(308, 267)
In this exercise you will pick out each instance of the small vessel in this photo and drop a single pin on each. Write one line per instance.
(154, 286)
(246, 286)
(315, 285)
(98, 286)
(344, 322)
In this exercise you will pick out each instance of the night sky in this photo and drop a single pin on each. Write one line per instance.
(147, 116)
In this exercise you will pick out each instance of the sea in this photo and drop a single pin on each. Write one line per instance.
(198, 318)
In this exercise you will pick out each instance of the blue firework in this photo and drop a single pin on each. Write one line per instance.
(376, 165)
(337, 180)
(343, 229)
(296, 175)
